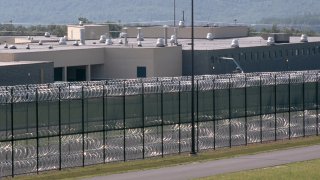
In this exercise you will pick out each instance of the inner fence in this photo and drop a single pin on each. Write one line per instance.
(61, 125)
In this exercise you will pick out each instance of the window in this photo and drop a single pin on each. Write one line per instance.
(141, 72)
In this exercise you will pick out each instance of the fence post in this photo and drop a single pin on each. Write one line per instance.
(124, 120)
(261, 137)
(37, 127)
(143, 118)
(245, 111)
(275, 107)
(229, 95)
(82, 114)
(303, 106)
(317, 108)
(12, 135)
(197, 106)
(179, 111)
(104, 123)
(161, 97)
(59, 106)
(214, 113)
(289, 104)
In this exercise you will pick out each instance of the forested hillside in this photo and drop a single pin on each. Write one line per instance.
(68, 11)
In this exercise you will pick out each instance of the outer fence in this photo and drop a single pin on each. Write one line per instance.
(55, 126)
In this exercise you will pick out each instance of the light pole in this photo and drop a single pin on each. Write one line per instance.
(238, 67)
(193, 149)
(174, 13)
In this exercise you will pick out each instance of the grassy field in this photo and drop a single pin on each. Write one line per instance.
(300, 170)
(158, 162)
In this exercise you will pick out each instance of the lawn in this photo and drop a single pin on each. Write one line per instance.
(300, 170)
(158, 162)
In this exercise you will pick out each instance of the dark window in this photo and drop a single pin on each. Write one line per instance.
(58, 76)
(141, 72)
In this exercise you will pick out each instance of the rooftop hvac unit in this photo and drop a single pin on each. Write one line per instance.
(109, 41)
(270, 41)
(160, 42)
(12, 47)
(140, 35)
(5, 46)
(181, 24)
(304, 38)
(103, 39)
(235, 43)
(76, 43)
(173, 39)
(210, 36)
(62, 41)
(80, 23)
(47, 34)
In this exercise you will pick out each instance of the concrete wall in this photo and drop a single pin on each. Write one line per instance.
(26, 74)
(168, 61)
(123, 62)
(62, 58)
(184, 33)
(92, 32)
(300, 56)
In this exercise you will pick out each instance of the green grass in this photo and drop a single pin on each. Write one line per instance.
(152, 163)
(300, 170)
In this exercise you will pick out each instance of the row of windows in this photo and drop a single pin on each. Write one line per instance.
(272, 54)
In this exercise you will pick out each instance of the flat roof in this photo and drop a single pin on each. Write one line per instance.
(200, 44)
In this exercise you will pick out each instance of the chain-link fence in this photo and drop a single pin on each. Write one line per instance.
(55, 126)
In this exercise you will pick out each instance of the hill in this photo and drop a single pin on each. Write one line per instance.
(68, 11)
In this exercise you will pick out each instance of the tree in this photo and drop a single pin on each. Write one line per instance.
(84, 20)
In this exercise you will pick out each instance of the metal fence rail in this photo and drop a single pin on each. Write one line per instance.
(55, 126)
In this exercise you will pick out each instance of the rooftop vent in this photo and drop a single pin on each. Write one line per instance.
(173, 39)
(50, 47)
(235, 43)
(304, 38)
(109, 41)
(62, 41)
(47, 34)
(76, 43)
(12, 47)
(210, 36)
(270, 41)
(120, 41)
(5, 46)
(40, 43)
(103, 39)
(140, 35)
(160, 42)
(27, 46)
(181, 24)
(125, 35)
(80, 23)
(139, 44)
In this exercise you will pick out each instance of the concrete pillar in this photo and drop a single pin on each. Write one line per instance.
(65, 73)
(88, 72)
